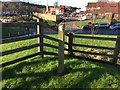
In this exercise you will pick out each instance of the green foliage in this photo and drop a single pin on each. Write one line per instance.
(115, 21)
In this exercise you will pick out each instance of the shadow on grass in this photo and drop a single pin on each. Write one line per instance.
(94, 73)
(40, 78)
(18, 67)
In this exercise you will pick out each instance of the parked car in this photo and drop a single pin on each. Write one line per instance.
(115, 26)
(82, 18)
(102, 25)
(88, 26)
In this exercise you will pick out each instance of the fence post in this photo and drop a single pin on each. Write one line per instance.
(40, 39)
(70, 43)
(117, 49)
(61, 48)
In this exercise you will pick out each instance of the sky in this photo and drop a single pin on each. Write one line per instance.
(74, 3)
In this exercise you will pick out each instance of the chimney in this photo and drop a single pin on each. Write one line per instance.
(46, 5)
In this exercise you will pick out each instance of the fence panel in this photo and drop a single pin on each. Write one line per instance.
(72, 44)
(40, 44)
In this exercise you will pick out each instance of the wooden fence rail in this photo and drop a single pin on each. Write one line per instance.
(19, 49)
(19, 59)
(61, 41)
(22, 24)
(96, 47)
(95, 38)
(15, 39)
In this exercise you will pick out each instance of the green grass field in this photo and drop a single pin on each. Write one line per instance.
(82, 23)
(42, 73)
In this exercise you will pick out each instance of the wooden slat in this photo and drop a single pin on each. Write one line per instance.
(52, 46)
(96, 38)
(92, 53)
(20, 38)
(90, 46)
(18, 60)
(19, 49)
(66, 43)
(50, 53)
(66, 49)
(22, 23)
(50, 38)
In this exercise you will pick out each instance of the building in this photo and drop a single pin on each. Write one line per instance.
(108, 9)
(62, 9)
(57, 10)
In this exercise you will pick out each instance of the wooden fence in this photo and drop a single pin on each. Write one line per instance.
(39, 44)
(24, 28)
(70, 44)
(61, 40)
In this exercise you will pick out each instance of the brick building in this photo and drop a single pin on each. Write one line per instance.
(104, 8)
(57, 10)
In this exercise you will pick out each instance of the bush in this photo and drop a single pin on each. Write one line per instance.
(114, 21)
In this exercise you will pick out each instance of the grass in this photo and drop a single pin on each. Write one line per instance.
(82, 23)
(49, 23)
(42, 73)
(15, 45)
(95, 42)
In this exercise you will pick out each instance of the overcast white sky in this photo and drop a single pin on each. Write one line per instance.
(76, 3)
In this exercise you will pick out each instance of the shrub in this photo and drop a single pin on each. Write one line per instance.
(114, 21)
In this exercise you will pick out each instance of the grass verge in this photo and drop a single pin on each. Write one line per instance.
(82, 23)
